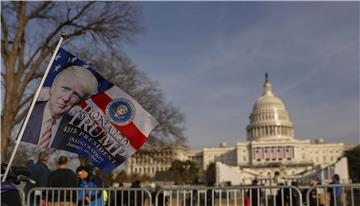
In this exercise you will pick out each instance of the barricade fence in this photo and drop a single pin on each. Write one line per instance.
(334, 195)
(343, 195)
(46, 196)
(230, 196)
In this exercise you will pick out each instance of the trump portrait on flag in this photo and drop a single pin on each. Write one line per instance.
(70, 86)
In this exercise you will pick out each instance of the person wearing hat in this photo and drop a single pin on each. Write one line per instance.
(316, 198)
(87, 180)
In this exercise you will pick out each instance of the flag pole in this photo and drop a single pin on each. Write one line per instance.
(19, 137)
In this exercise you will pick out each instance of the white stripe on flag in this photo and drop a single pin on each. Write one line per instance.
(143, 120)
(130, 150)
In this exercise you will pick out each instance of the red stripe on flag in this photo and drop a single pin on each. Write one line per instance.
(83, 104)
(130, 131)
(101, 100)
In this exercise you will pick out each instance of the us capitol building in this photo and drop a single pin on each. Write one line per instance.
(271, 148)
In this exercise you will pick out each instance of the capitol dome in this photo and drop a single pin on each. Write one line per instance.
(269, 119)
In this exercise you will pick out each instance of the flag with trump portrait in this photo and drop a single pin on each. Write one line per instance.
(81, 112)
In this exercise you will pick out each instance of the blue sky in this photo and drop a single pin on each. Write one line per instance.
(210, 59)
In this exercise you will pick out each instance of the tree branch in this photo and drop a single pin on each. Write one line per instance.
(43, 50)
(25, 101)
(21, 116)
(3, 82)
(32, 71)
(37, 12)
(19, 31)
(82, 11)
(21, 65)
(4, 39)
(56, 31)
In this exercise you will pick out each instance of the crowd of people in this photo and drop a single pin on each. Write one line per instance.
(83, 177)
(63, 177)
(319, 195)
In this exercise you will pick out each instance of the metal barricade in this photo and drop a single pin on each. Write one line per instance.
(22, 196)
(229, 196)
(88, 196)
(198, 196)
(334, 195)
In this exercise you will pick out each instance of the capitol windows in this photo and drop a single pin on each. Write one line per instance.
(279, 153)
(273, 153)
(267, 154)
(259, 154)
(289, 152)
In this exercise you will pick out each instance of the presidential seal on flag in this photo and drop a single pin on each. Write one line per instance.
(120, 111)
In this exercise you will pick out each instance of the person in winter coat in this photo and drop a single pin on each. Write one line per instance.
(87, 180)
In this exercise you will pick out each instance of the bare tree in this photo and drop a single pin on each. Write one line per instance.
(29, 33)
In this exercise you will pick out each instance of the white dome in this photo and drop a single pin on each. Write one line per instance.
(269, 119)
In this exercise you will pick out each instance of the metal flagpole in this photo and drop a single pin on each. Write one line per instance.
(18, 140)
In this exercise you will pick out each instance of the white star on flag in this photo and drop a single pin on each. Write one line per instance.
(86, 66)
(57, 67)
(57, 57)
(72, 60)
